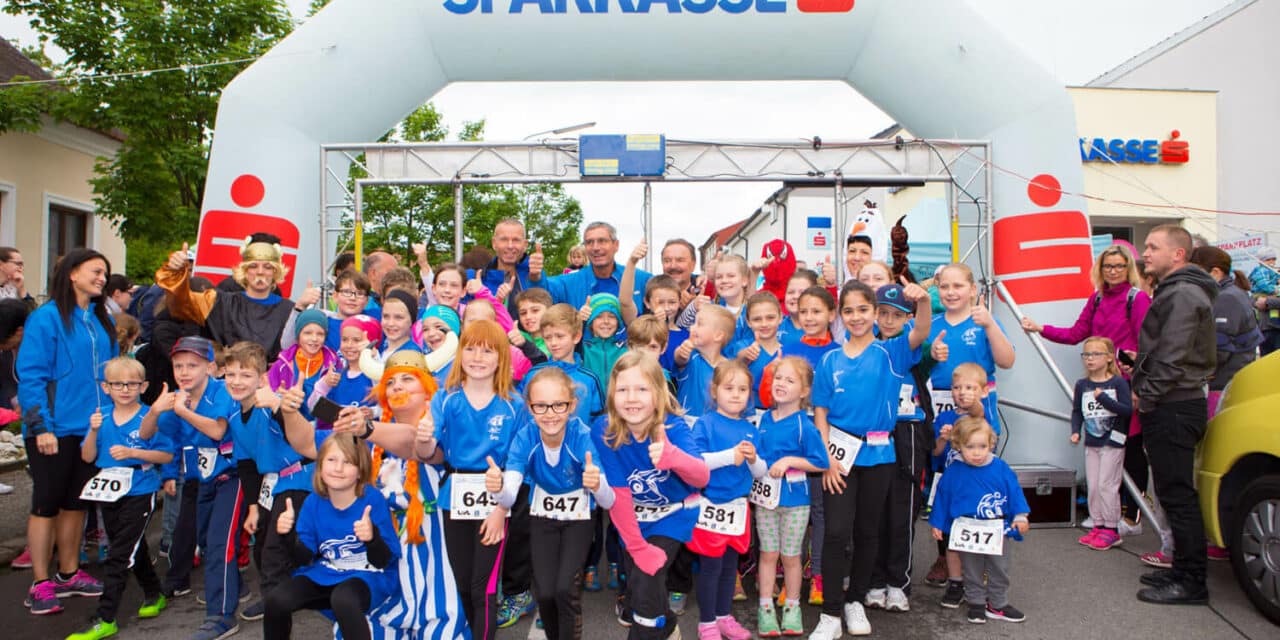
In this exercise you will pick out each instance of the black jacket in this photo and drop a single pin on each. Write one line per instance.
(1237, 328)
(1177, 347)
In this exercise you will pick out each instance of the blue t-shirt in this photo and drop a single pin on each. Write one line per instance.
(715, 432)
(789, 332)
(629, 467)
(794, 435)
(966, 342)
(258, 437)
(352, 390)
(675, 338)
(812, 353)
(146, 476)
(861, 395)
(586, 386)
(219, 456)
(989, 492)
(908, 395)
(340, 555)
(943, 460)
(693, 385)
(333, 337)
(528, 456)
(467, 435)
(757, 367)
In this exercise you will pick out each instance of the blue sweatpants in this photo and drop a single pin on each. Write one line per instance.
(219, 513)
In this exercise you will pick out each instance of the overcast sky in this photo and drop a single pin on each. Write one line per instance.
(1076, 41)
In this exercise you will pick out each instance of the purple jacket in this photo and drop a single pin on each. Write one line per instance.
(284, 369)
(1106, 318)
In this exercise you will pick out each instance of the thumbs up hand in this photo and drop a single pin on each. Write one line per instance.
(828, 271)
(178, 259)
(656, 446)
(284, 524)
(426, 429)
(590, 474)
(265, 398)
(475, 284)
(913, 291)
(492, 476)
(536, 259)
(164, 401)
(749, 354)
(291, 399)
(363, 528)
(940, 350)
(638, 253)
(981, 315)
(584, 313)
(332, 378)
(309, 297)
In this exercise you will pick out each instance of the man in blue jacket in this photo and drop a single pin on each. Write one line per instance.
(604, 276)
(512, 262)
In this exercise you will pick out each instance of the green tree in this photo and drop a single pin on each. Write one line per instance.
(153, 188)
(396, 217)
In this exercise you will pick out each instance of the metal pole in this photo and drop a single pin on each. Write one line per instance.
(1069, 390)
(358, 235)
(648, 226)
(987, 215)
(324, 226)
(457, 222)
(838, 232)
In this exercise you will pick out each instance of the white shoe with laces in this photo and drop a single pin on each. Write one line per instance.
(828, 628)
(855, 620)
(896, 600)
(1127, 529)
(875, 599)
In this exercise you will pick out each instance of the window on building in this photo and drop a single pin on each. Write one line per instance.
(68, 229)
(1117, 233)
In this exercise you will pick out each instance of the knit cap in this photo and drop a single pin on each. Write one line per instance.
(310, 316)
(605, 303)
(367, 324)
(444, 314)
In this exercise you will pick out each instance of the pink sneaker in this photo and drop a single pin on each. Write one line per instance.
(1105, 539)
(1158, 560)
(1217, 553)
(708, 631)
(1087, 539)
(730, 629)
(23, 561)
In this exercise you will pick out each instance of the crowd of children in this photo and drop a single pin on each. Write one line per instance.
(396, 462)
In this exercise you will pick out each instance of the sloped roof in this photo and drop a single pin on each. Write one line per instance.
(13, 63)
(1170, 43)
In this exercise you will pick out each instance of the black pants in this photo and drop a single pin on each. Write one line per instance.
(274, 555)
(680, 574)
(911, 442)
(1135, 464)
(348, 599)
(475, 567)
(557, 573)
(182, 551)
(865, 496)
(126, 521)
(515, 566)
(647, 595)
(1172, 430)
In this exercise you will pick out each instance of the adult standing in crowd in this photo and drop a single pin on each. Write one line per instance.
(679, 260)
(1176, 356)
(1116, 311)
(603, 275)
(512, 263)
(1262, 281)
(67, 342)
(376, 265)
(1234, 320)
(13, 283)
(13, 314)
(257, 314)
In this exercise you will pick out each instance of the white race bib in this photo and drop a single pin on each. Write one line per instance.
(206, 460)
(646, 513)
(844, 448)
(468, 499)
(906, 400)
(353, 562)
(766, 492)
(942, 401)
(265, 498)
(729, 518)
(573, 505)
(1093, 409)
(109, 485)
(971, 535)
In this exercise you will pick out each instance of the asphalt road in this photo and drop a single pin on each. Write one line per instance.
(1066, 590)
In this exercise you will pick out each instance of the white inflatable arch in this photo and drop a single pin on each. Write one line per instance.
(359, 66)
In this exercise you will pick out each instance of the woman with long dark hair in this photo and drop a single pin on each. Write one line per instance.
(66, 343)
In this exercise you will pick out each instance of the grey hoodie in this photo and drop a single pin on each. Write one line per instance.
(1177, 347)
(1237, 329)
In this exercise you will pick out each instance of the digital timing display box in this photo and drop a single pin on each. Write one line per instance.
(639, 155)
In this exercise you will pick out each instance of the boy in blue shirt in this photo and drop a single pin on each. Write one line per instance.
(697, 358)
(125, 489)
(980, 488)
(196, 414)
(561, 332)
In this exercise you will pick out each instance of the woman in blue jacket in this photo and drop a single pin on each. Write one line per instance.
(66, 343)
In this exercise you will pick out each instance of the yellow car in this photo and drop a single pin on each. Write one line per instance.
(1239, 481)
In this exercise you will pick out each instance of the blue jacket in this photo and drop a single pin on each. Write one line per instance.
(494, 276)
(59, 368)
(574, 287)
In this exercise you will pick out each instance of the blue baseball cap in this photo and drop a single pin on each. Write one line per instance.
(193, 344)
(893, 295)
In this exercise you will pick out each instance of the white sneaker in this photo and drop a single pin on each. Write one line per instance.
(5, 489)
(1127, 529)
(855, 620)
(1087, 523)
(875, 599)
(896, 600)
(828, 628)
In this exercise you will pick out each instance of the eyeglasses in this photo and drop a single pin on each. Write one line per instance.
(121, 386)
(1115, 267)
(540, 408)
(16, 263)
(1093, 354)
(352, 293)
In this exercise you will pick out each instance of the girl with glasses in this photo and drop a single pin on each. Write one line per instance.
(1101, 410)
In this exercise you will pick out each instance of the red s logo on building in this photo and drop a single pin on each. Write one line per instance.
(1175, 151)
(1046, 256)
(222, 233)
(825, 6)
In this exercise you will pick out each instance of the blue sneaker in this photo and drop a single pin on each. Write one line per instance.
(677, 603)
(614, 583)
(511, 609)
(216, 629)
(591, 581)
(80, 584)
